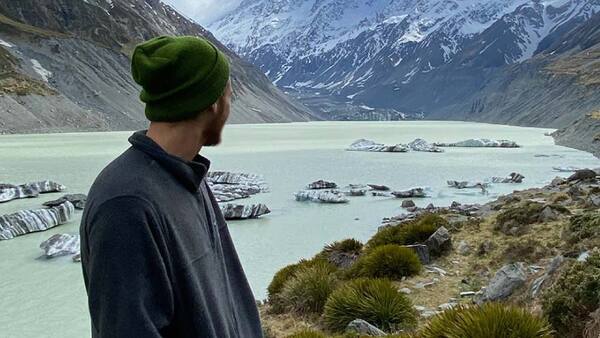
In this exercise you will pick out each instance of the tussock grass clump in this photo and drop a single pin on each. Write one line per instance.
(307, 334)
(513, 221)
(343, 253)
(574, 296)
(375, 300)
(388, 261)
(417, 231)
(308, 290)
(491, 320)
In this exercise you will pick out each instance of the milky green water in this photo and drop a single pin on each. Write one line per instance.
(46, 298)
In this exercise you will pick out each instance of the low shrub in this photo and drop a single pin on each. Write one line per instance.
(375, 300)
(416, 231)
(525, 250)
(583, 227)
(575, 295)
(515, 219)
(491, 320)
(343, 253)
(388, 261)
(308, 290)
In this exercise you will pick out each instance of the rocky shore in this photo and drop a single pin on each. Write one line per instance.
(536, 251)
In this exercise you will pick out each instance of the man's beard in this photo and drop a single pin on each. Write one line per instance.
(212, 135)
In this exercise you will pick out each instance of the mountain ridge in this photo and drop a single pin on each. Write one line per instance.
(79, 52)
(449, 59)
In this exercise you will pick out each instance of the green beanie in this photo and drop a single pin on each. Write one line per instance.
(180, 76)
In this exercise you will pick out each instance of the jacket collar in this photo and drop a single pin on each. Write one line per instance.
(189, 173)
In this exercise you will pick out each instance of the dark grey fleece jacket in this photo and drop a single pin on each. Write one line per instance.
(158, 260)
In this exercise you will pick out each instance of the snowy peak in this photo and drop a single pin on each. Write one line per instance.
(345, 45)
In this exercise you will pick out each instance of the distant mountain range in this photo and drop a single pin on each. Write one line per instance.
(524, 62)
(64, 65)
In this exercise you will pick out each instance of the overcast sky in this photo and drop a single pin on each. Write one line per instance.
(203, 11)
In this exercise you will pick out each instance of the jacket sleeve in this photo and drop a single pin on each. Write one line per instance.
(129, 289)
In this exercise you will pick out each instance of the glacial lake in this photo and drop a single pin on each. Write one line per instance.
(46, 298)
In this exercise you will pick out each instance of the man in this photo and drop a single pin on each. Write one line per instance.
(158, 260)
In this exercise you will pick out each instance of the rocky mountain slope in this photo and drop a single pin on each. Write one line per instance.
(496, 61)
(64, 65)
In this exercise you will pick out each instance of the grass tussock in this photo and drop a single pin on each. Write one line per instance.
(417, 231)
(492, 320)
(388, 261)
(307, 291)
(375, 300)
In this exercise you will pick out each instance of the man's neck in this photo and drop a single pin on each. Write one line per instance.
(178, 139)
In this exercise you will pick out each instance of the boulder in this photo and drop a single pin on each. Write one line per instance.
(557, 181)
(368, 145)
(321, 184)
(27, 221)
(60, 245)
(508, 279)
(464, 248)
(321, 196)
(582, 175)
(422, 251)
(540, 282)
(411, 193)
(439, 242)
(422, 145)
(239, 211)
(408, 204)
(363, 328)
(9, 192)
(78, 201)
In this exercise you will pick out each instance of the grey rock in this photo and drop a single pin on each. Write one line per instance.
(78, 201)
(446, 306)
(439, 242)
(539, 283)
(27, 221)
(362, 327)
(408, 204)
(60, 245)
(557, 181)
(239, 211)
(76, 258)
(509, 278)
(406, 291)
(583, 174)
(321, 184)
(422, 251)
(464, 248)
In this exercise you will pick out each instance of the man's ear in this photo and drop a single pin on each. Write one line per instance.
(213, 109)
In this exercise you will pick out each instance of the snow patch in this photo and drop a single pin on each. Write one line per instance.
(5, 44)
(43, 72)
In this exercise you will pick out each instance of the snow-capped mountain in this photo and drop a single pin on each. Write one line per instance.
(65, 65)
(400, 54)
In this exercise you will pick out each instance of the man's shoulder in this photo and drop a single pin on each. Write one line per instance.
(131, 174)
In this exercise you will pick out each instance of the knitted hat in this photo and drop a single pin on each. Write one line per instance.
(180, 76)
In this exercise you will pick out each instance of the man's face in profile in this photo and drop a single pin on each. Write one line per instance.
(223, 108)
